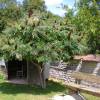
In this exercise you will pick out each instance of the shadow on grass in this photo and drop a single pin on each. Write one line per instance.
(14, 89)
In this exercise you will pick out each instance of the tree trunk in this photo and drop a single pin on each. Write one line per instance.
(35, 74)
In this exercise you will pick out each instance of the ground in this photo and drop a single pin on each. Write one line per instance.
(26, 92)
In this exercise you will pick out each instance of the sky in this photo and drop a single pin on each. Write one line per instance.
(54, 5)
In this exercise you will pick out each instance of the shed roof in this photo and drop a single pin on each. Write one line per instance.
(89, 57)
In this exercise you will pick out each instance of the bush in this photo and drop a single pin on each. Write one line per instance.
(2, 76)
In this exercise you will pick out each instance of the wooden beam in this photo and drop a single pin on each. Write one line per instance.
(86, 77)
(75, 88)
(89, 90)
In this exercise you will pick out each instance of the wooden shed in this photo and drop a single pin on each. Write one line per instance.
(24, 72)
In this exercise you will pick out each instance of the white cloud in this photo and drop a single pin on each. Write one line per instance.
(53, 2)
(20, 1)
(70, 6)
(60, 12)
(57, 11)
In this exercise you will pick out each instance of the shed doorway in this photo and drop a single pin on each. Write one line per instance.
(17, 69)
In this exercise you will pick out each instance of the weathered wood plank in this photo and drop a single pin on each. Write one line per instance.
(75, 88)
(89, 90)
(86, 77)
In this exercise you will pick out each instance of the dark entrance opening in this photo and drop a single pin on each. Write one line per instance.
(17, 69)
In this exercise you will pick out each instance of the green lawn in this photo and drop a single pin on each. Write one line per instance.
(25, 92)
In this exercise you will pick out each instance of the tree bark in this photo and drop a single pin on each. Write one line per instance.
(35, 74)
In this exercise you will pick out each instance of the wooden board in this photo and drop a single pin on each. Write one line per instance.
(76, 87)
(86, 77)
(89, 90)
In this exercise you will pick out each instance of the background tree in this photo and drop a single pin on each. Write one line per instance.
(87, 20)
(10, 12)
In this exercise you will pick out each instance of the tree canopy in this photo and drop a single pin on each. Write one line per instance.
(87, 20)
(30, 32)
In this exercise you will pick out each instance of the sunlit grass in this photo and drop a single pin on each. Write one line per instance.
(26, 92)
(91, 97)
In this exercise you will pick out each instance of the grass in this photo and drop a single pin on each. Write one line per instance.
(26, 92)
(91, 97)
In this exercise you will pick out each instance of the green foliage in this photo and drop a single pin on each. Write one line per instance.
(38, 35)
(35, 41)
(87, 21)
(10, 12)
(34, 4)
(2, 76)
(2, 24)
